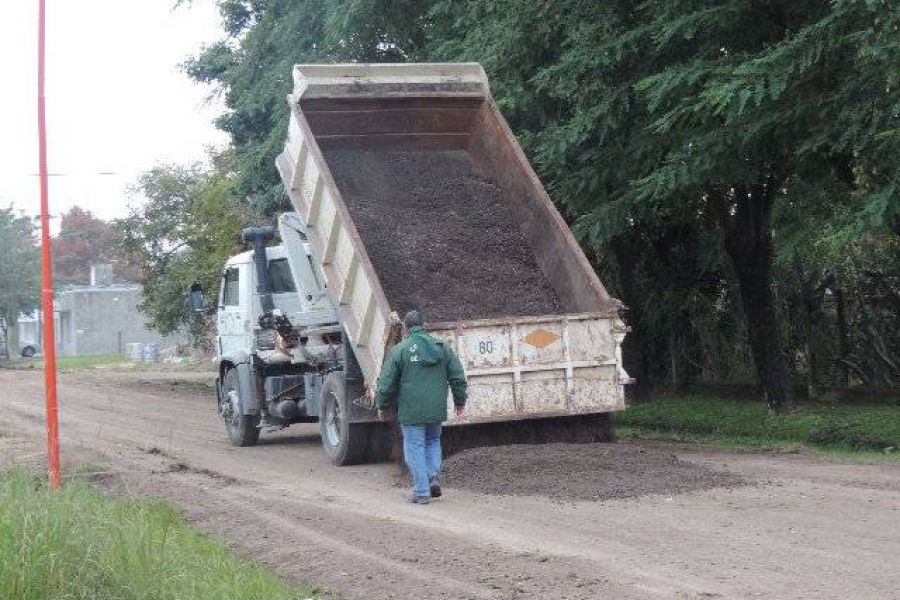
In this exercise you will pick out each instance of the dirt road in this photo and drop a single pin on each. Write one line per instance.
(805, 528)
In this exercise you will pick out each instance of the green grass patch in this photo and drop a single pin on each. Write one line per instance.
(104, 361)
(77, 363)
(748, 423)
(78, 543)
(72, 363)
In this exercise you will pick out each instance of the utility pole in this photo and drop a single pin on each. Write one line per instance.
(46, 268)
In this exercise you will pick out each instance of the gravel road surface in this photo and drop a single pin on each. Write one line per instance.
(800, 528)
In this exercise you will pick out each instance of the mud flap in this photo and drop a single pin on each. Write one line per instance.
(359, 409)
(249, 397)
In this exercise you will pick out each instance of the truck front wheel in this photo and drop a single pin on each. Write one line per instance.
(243, 430)
(345, 443)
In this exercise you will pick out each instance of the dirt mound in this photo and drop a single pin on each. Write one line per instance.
(440, 237)
(579, 472)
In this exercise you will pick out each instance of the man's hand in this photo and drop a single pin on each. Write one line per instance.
(460, 411)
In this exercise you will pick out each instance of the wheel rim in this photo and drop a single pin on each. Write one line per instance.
(231, 409)
(333, 420)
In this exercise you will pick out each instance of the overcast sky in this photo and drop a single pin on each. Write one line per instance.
(116, 99)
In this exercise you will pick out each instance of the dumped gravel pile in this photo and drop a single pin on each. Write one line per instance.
(440, 237)
(579, 472)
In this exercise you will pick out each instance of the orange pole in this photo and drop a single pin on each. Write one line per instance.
(47, 271)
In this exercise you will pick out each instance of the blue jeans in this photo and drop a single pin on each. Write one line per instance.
(422, 451)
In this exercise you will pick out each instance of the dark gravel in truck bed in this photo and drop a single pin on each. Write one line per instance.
(440, 237)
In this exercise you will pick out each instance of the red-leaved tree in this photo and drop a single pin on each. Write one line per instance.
(86, 240)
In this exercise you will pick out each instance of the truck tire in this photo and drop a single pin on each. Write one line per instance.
(345, 443)
(243, 430)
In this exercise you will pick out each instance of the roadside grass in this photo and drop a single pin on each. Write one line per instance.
(844, 429)
(79, 543)
(102, 361)
(72, 363)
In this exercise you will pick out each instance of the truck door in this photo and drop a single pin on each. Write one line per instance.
(233, 317)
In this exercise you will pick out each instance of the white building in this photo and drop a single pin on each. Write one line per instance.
(99, 318)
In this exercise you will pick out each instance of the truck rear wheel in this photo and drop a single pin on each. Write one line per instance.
(345, 443)
(243, 430)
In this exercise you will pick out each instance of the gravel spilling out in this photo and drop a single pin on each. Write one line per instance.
(441, 238)
(580, 472)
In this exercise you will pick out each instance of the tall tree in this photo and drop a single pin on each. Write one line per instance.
(567, 93)
(708, 114)
(691, 143)
(755, 113)
(252, 68)
(188, 226)
(19, 275)
(84, 240)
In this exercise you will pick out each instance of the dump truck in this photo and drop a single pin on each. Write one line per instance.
(409, 191)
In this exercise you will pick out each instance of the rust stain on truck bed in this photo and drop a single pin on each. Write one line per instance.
(540, 338)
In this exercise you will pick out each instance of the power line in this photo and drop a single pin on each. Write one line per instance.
(96, 173)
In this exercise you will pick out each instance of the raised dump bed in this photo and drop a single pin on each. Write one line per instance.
(415, 194)
(441, 238)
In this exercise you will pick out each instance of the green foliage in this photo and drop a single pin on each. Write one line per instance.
(253, 68)
(850, 427)
(77, 543)
(19, 267)
(374, 30)
(818, 93)
(188, 226)
(659, 123)
(718, 159)
(73, 363)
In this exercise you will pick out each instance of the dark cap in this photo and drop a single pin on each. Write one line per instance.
(413, 319)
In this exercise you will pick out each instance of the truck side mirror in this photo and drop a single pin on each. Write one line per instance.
(197, 297)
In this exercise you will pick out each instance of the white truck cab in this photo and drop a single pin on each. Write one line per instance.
(239, 304)
(280, 348)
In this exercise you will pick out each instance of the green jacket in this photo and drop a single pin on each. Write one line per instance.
(416, 376)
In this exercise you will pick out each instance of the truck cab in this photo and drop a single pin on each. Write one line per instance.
(239, 308)
(280, 348)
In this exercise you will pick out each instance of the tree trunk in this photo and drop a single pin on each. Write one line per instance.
(633, 355)
(745, 217)
(11, 335)
(677, 383)
(843, 343)
(812, 310)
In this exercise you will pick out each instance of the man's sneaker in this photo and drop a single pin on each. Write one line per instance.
(435, 488)
(413, 499)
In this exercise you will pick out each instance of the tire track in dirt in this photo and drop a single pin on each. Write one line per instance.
(252, 517)
(816, 530)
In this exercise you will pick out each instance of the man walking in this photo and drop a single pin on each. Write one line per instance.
(416, 376)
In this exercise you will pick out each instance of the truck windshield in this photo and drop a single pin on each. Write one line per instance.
(280, 276)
